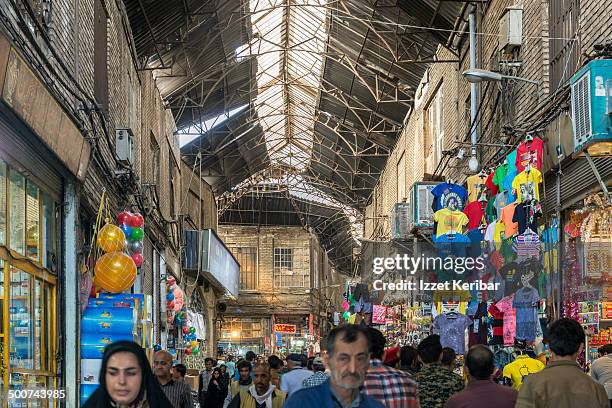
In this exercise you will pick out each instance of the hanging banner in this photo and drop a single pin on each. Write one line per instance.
(285, 328)
(379, 313)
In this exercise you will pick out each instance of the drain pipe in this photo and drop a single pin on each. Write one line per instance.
(473, 163)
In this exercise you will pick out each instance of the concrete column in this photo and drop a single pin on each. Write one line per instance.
(71, 297)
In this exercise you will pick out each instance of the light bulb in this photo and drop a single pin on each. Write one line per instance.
(473, 163)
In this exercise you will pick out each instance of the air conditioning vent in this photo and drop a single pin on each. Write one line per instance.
(581, 109)
(124, 146)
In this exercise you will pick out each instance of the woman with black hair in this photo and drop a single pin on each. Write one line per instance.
(217, 390)
(126, 380)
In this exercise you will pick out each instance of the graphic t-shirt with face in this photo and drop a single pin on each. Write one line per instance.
(527, 184)
(476, 187)
(451, 196)
(529, 152)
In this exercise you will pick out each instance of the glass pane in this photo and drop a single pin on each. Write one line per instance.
(17, 208)
(33, 221)
(21, 331)
(2, 203)
(37, 325)
(48, 323)
(18, 381)
(2, 303)
(49, 232)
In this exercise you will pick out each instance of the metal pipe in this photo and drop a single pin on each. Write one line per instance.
(473, 89)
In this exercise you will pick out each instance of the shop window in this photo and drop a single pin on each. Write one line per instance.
(17, 215)
(33, 221)
(289, 268)
(247, 258)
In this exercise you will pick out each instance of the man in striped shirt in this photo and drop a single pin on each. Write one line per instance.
(178, 392)
(393, 388)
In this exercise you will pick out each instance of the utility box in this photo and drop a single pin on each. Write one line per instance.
(511, 28)
(124, 146)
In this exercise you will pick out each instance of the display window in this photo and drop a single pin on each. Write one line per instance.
(28, 245)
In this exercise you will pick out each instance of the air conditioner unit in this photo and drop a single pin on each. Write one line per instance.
(420, 202)
(511, 28)
(591, 89)
(400, 221)
(124, 146)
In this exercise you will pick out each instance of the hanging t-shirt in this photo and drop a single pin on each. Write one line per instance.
(475, 213)
(511, 274)
(526, 216)
(511, 158)
(508, 180)
(529, 152)
(449, 194)
(452, 244)
(490, 212)
(507, 216)
(476, 187)
(489, 235)
(499, 175)
(496, 332)
(500, 282)
(520, 368)
(527, 184)
(501, 200)
(479, 328)
(493, 189)
(450, 221)
(530, 271)
(526, 246)
(451, 328)
(505, 306)
(475, 249)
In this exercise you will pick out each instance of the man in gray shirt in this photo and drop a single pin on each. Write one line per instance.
(178, 392)
(601, 370)
(292, 380)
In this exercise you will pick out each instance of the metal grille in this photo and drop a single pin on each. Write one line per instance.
(247, 258)
(290, 268)
(581, 109)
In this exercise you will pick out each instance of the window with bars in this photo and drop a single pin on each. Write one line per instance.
(434, 130)
(247, 258)
(290, 268)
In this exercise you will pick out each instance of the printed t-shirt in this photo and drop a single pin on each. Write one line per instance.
(511, 272)
(499, 175)
(450, 221)
(490, 211)
(529, 152)
(476, 187)
(520, 368)
(508, 185)
(507, 216)
(496, 332)
(527, 184)
(505, 306)
(451, 328)
(501, 200)
(475, 213)
(445, 193)
(493, 189)
(526, 246)
(526, 216)
(511, 158)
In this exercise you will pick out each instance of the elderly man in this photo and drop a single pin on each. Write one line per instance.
(261, 394)
(292, 380)
(348, 359)
(178, 392)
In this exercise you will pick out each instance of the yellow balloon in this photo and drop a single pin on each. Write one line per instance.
(115, 272)
(194, 344)
(111, 238)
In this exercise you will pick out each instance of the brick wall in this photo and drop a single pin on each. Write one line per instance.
(199, 202)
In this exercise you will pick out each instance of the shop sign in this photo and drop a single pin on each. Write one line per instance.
(285, 328)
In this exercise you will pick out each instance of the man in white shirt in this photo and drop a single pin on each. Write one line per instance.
(292, 380)
(601, 370)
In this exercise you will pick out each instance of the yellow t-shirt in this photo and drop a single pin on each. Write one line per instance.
(450, 221)
(527, 184)
(520, 368)
(476, 186)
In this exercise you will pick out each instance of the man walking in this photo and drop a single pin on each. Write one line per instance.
(292, 381)
(178, 392)
(435, 383)
(319, 376)
(348, 358)
(261, 394)
(563, 384)
(244, 382)
(205, 377)
(481, 391)
(391, 387)
(601, 371)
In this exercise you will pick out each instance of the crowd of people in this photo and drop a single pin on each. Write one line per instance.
(356, 371)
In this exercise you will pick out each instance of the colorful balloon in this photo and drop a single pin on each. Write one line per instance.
(192, 330)
(170, 304)
(111, 238)
(123, 217)
(136, 247)
(115, 272)
(127, 231)
(194, 344)
(195, 351)
(185, 330)
(138, 259)
(137, 234)
(188, 351)
(135, 220)
(170, 296)
(171, 280)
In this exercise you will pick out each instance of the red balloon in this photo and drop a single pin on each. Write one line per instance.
(135, 221)
(185, 330)
(138, 259)
(123, 217)
(188, 351)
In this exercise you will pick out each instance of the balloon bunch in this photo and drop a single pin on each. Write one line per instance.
(114, 271)
(190, 338)
(132, 227)
(346, 304)
(175, 304)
